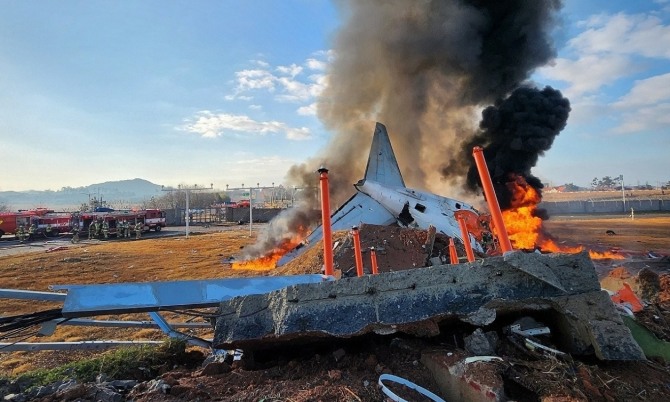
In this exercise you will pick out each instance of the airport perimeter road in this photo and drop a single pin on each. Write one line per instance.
(10, 246)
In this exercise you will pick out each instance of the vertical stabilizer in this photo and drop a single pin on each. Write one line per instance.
(382, 165)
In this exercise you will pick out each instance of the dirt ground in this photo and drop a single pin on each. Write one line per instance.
(347, 371)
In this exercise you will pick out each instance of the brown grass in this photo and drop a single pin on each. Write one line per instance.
(606, 195)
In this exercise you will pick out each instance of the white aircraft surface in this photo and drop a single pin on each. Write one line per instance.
(383, 199)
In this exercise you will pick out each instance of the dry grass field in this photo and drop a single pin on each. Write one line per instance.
(606, 195)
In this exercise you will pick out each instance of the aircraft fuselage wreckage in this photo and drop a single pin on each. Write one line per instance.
(383, 199)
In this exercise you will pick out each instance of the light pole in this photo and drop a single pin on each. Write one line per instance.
(623, 195)
(251, 199)
(188, 190)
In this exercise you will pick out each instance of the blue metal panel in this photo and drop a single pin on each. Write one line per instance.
(87, 300)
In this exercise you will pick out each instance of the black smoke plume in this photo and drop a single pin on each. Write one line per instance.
(514, 133)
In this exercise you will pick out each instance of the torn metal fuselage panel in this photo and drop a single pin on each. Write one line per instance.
(117, 298)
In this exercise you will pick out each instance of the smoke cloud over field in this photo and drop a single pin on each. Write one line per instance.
(425, 69)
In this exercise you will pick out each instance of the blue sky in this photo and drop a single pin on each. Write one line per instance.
(224, 92)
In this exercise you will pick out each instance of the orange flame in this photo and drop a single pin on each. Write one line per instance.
(525, 229)
(269, 260)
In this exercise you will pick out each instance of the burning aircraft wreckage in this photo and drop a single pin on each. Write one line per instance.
(496, 281)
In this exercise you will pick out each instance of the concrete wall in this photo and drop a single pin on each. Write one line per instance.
(605, 207)
(176, 217)
(258, 215)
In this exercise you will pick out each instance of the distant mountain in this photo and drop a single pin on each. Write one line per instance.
(117, 194)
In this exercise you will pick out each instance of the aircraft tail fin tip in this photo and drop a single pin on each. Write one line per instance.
(382, 164)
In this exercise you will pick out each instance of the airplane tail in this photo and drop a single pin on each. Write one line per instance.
(382, 165)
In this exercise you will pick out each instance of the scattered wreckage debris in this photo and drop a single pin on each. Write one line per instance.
(119, 298)
(419, 301)
(643, 296)
(524, 372)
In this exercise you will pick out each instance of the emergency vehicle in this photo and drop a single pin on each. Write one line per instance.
(10, 221)
(150, 219)
(53, 223)
(50, 223)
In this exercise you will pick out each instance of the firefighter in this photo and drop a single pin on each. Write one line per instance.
(138, 230)
(105, 229)
(98, 228)
(21, 233)
(91, 230)
(119, 229)
(126, 229)
(75, 233)
(48, 230)
(32, 230)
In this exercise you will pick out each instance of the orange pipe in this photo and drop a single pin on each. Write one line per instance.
(325, 222)
(491, 199)
(373, 261)
(466, 239)
(357, 250)
(453, 256)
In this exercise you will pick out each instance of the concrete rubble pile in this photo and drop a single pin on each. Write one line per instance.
(420, 301)
(397, 249)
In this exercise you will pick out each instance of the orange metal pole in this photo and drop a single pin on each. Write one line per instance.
(373, 261)
(491, 199)
(325, 222)
(357, 251)
(453, 256)
(466, 239)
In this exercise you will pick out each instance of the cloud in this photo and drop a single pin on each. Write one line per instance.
(210, 125)
(588, 73)
(648, 118)
(646, 106)
(298, 134)
(297, 91)
(608, 50)
(291, 70)
(621, 33)
(285, 83)
(646, 92)
(309, 110)
(261, 63)
(314, 64)
(254, 79)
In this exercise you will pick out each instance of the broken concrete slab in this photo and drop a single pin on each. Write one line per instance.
(416, 301)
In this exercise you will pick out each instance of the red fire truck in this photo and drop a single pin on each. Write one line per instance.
(150, 219)
(10, 221)
(50, 223)
(53, 223)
